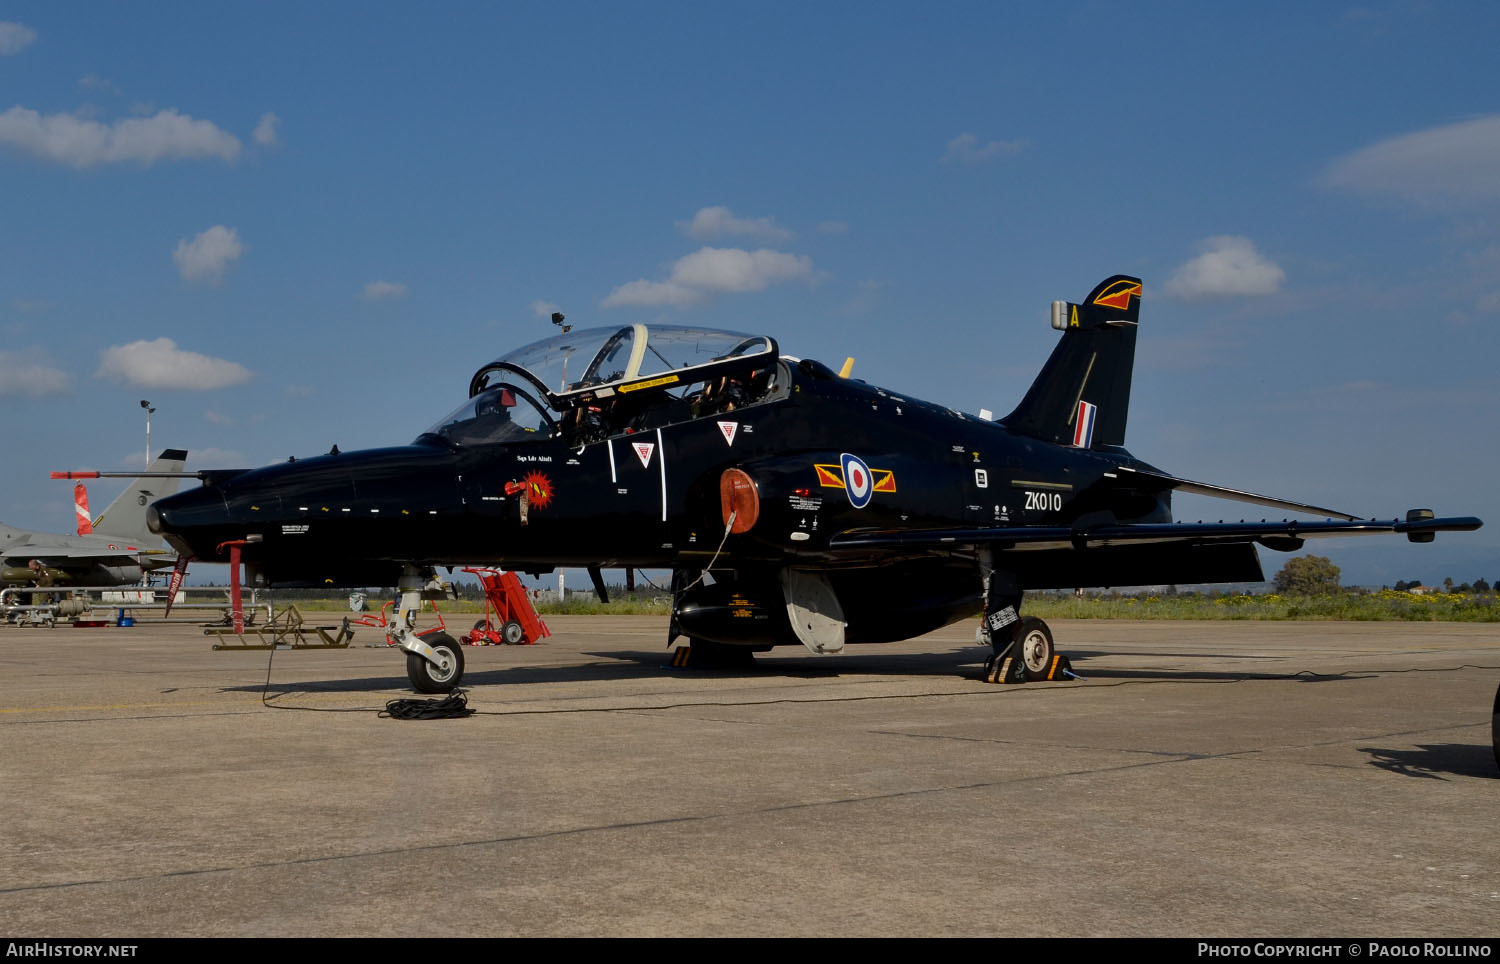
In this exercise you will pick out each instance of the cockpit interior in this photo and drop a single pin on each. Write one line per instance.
(602, 383)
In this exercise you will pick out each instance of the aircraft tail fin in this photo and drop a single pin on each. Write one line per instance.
(1082, 396)
(125, 518)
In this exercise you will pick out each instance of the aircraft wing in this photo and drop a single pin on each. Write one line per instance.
(1157, 480)
(101, 553)
(1286, 534)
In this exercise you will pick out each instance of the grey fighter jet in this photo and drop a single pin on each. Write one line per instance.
(120, 550)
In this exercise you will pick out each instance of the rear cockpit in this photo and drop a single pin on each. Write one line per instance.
(603, 382)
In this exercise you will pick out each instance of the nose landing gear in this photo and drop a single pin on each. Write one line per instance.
(435, 661)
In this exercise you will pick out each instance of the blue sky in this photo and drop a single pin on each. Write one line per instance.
(294, 225)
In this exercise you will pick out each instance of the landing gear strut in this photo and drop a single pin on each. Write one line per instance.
(1002, 608)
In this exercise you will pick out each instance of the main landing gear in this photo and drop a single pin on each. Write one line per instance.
(1021, 648)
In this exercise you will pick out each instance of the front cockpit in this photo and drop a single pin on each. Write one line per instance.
(593, 384)
(498, 415)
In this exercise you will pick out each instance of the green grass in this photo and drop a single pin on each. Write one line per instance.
(1377, 606)
(1351, 606)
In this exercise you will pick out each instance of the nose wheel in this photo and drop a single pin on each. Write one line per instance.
(439, 677)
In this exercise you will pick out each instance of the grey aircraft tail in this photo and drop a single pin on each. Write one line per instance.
(125, 518)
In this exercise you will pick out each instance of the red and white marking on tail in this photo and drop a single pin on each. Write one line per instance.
(81, 509)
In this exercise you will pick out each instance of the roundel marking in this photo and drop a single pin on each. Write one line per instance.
(856, 480)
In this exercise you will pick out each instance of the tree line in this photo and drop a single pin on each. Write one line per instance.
(1318, 576)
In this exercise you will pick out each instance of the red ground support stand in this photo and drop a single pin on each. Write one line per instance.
(508, 614)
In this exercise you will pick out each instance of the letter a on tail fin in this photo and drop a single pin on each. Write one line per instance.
(1082, 396)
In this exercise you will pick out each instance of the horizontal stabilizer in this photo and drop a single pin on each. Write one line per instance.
(1156, 480)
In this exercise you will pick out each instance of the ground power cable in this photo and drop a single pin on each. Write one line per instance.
(456, 704)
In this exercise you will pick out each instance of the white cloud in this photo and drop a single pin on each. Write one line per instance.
(95, 82)
(966, 150)
(15, 37)
(1229, 265)
(31, 373)
(161, 364)
(544, 309)
(216, 418)
(268, 131)
(384, 291)
(719, 221)
(710, 271)
(733, 269)
(650, 294)
(1447, 163)
(867, 297)
(80, 142)
(207, 256)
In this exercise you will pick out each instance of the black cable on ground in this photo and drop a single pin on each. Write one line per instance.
(270, 658)
(452, 707)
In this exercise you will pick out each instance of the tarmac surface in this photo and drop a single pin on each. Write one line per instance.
(1208, 779)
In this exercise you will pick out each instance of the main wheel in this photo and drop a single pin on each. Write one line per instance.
(1034, 646)
(427, 678)
(512, 633)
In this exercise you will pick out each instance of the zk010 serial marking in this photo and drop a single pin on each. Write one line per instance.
(1044, 501)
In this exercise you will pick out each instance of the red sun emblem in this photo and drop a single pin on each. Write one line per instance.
(538, 490)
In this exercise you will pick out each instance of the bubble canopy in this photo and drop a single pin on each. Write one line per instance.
(581, 366)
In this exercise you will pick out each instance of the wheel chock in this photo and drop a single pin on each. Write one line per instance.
(680, 657)
(1061, 668)
(1009, 670)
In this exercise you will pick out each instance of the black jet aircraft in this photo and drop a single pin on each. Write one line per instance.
(792, 505)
